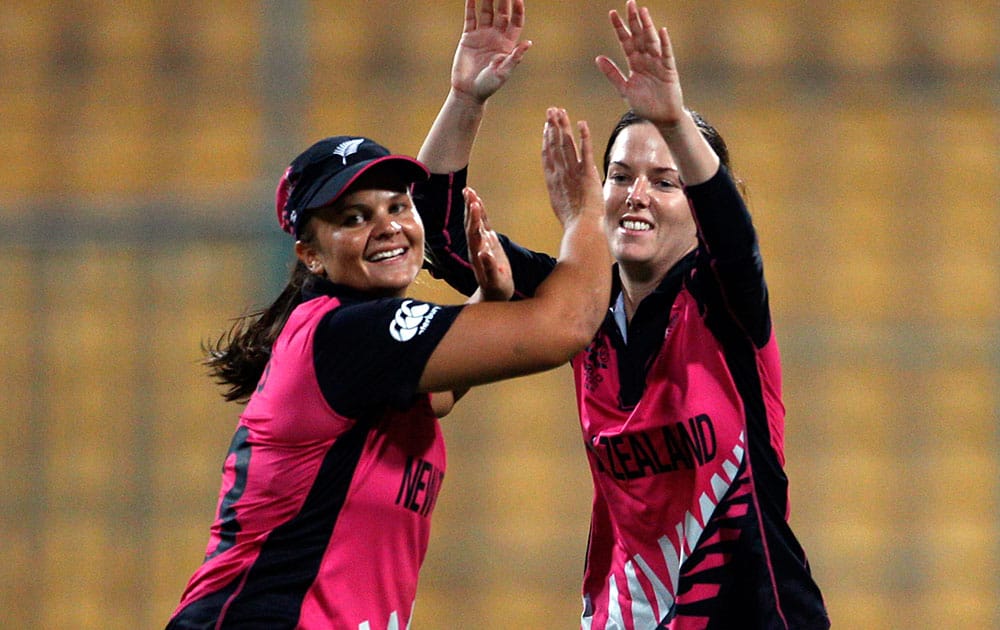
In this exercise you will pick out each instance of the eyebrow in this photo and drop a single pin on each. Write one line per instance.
(658, 169)
(395, 197)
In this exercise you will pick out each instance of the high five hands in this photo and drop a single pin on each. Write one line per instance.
(571, 175)
(486, 255)
(652, 87)
(489, 49)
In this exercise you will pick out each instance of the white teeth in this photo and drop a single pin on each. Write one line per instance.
(386, 254)
(640, 226)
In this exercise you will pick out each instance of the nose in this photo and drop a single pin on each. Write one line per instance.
(387, 226)
(638, 193)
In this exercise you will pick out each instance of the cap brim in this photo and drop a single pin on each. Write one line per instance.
(409, 170)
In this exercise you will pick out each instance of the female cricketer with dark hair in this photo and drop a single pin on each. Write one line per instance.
(336, 462)
(679, 392)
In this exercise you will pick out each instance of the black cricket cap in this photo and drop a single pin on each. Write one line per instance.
(324, 171)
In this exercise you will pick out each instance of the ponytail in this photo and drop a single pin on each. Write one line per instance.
(236, 360)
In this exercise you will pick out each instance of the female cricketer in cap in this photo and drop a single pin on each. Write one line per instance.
(332, 474)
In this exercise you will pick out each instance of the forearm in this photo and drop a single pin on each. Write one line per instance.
(496, 340)
(578, 286)
(449, 142)
(442, 209)
(581, 278)
(695, 158)
(731, 253)
(723, 220)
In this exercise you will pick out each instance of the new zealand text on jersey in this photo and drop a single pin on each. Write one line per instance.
(418, 490)
(664, 449)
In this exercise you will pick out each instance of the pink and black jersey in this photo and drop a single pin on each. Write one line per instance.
(332, 475)
(683, 424)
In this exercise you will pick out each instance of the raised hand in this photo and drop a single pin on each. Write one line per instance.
(652, 87)
(489, 49)
(570, 175)
(486, 255)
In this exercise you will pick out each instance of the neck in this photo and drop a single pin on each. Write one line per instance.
(640, 279)
(635, 288)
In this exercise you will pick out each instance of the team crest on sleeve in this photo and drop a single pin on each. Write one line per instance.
(411, 319)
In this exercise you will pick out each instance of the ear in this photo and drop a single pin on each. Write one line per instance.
(310, 258)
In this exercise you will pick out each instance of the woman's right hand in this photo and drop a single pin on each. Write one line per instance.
(487, 54)
(571, 175)
(489, 49)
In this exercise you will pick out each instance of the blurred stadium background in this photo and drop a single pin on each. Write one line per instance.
(142, 140)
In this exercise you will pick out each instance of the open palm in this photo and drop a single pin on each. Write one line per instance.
(489, 49)
(652, 87)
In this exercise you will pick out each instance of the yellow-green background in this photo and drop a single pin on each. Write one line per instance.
(141, 142)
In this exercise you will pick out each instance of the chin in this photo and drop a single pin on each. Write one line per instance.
(396, 287)
(632, 255)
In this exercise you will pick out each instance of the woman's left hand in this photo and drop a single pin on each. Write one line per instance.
(486, 255)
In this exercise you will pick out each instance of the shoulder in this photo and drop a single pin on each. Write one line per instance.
(386, 320)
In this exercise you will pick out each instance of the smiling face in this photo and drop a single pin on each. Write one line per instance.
(371, 239)
(647, 218)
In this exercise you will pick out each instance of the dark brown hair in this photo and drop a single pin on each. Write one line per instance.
(236, 360)
(710, 133)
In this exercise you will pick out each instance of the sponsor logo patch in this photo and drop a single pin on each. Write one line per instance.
(411, 319)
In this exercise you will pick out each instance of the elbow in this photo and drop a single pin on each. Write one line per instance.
(568, 320)
(588, 318)
(582, 332)
(554, 349)
(576, 331)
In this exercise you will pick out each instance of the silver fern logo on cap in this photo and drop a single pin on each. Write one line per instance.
(348, 148)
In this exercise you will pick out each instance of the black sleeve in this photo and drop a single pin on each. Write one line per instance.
(442, 208)
(372, 354)
(729, 240)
